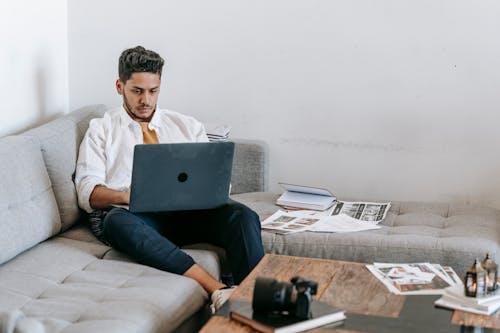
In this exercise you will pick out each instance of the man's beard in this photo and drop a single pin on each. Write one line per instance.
(134, 115)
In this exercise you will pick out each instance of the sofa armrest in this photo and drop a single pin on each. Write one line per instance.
(250, 166)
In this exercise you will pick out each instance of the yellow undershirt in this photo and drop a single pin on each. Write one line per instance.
(148, 135)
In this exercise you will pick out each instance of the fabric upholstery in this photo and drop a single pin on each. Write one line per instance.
(249, 167)
(448, 234)
(15, 322)
(60, 140)
(65, 286)
(207, 259)
(206, 255)
(28, 210)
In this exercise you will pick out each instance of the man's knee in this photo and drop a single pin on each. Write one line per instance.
(112, 219)
(117, 222)
(242, 215)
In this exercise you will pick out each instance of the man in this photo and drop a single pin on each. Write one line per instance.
(103, 175)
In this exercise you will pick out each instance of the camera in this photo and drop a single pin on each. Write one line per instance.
(292, 298)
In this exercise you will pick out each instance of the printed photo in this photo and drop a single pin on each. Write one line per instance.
(284, 218)
(307, 221)
(279, 231)
(274, 224)
(294, 226)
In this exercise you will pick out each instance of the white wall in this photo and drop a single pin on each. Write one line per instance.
(33, 62)
(389, 99)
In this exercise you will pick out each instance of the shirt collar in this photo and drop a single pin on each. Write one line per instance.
(127, 121)
(155, 121)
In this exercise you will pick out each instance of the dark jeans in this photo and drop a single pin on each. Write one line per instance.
(154, 239)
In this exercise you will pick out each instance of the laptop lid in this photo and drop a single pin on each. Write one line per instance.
(181, 176)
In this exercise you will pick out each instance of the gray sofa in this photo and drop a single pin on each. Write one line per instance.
(55, 276)
(444, 233)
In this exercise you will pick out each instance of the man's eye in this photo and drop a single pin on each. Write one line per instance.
(137, 91)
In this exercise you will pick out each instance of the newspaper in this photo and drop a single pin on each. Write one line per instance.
(341, 223)
(416, 278)
(284, 223)
(365, 211)
(343, 216)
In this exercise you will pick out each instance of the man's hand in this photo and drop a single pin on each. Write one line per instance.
(103, 197)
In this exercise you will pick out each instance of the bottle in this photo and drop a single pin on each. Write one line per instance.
(475, 280)
(491, 273)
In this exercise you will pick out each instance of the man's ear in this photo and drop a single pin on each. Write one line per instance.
(119, 86)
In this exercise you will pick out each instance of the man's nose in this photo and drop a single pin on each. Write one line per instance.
(146, 99)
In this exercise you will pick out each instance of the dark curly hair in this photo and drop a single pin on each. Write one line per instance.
(138, 59)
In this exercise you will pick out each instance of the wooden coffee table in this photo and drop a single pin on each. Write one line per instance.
(369, 306)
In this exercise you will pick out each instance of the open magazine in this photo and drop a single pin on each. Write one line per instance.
(342, 217)
(415, 278)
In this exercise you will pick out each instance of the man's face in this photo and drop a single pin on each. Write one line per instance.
(140, 95)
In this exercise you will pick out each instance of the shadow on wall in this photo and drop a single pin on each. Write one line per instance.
(44, 93)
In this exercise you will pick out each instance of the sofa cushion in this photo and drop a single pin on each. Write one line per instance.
(249, 166)
(448, 234)
(60, 141)
(65, 286)
(28, 210)
(206, 255)
(208, 259)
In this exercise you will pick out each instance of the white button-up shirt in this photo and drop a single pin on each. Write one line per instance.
(107, 150)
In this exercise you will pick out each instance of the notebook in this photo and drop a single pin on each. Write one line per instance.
(180, 176)
(322, 314)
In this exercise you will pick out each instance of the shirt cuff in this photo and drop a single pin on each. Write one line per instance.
(84, 195)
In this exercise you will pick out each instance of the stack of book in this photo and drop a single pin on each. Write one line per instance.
(305, 197)
(217, 132)
(322, 314)
(454, 298)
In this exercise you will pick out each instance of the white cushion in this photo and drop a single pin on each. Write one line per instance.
(63, 285)
(28, 210)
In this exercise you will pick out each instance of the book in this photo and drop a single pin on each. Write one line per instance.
(457, 305)
(217, 132)
(322, 314)
(306, 197)
(454, 298)
(457, 291)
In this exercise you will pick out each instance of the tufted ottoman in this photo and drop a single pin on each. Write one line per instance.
(449, 234)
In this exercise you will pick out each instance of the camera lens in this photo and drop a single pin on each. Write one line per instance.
(270, 295)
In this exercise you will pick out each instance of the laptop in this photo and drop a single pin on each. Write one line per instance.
(181, 176)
